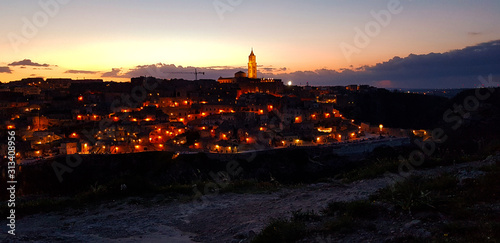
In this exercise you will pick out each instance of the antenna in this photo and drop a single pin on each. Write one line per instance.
(195, 73)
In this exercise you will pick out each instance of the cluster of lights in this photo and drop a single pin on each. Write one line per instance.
(270, 108)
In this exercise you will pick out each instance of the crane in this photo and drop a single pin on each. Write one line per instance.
(195, 73)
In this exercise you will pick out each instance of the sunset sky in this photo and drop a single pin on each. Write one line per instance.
(294, 40)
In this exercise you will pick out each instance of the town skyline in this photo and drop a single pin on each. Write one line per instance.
(325, 43)
(378, 75)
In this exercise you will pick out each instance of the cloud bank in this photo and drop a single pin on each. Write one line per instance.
(5, 70)
(28, 62)
(81, 72)
(114, 73)
(457, 68)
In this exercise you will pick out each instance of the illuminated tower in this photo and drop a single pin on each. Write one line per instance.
(252, 66)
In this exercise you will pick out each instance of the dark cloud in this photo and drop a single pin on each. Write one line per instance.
(439, 69)
(5, 70)
(457, 68)
(81, 72)
(474, 33)
(28, 62)
(272, 69)
(114, 73)
(168, 71)
(225, 67)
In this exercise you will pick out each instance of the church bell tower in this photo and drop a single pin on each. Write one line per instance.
(252, 65)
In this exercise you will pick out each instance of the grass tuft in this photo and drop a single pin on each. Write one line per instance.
(355, 209)
(281, 230)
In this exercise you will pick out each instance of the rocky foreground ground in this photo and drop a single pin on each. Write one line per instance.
(225, 217)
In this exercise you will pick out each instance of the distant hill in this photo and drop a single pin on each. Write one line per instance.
(477, 131)
(395, 109)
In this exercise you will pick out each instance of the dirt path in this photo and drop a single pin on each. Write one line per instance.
(216, 218)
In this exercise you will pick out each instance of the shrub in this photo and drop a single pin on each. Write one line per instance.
(281, 230)
(355, 209)
(408, 195)
(305, 216)
(343, 224)
(374, 169)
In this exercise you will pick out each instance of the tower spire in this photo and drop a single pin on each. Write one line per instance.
(252, 65)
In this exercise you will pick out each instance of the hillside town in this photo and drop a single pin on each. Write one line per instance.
(229, 115)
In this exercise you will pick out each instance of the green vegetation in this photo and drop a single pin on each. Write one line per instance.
(356, 209)
(451, 207)
(468, 204)
(281, 230)
(305, 216)
(381, 162)
(343, 224)
(250, 186)
(347, 217)
(372, 170)
(338, 217)
(408, 195)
